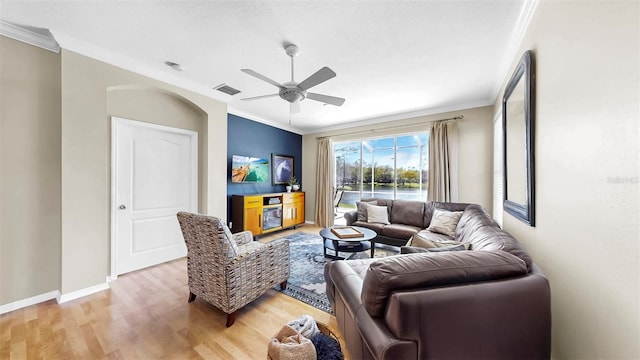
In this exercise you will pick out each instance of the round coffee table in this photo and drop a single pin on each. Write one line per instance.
(352, 245)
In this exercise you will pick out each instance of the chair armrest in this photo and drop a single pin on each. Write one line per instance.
(351, 217)
(243, 237)
(258, 266)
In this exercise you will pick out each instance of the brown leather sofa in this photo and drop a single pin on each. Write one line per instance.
(407, 218)
(490, 302)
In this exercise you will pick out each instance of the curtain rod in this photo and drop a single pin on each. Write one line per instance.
(459, 117)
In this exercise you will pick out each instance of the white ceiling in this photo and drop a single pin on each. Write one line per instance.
(392, 58)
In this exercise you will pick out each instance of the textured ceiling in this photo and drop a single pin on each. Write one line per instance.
(391, 57)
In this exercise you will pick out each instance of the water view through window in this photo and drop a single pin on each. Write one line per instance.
(392, 167)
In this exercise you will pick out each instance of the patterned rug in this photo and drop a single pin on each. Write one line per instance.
(306, 281)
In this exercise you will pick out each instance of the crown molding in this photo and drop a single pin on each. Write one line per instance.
(513, 44)
(41, 38)
(274, 124)
(403, 116)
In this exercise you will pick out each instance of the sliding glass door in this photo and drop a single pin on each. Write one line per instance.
(393, 167)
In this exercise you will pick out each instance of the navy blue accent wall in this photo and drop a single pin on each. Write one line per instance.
(251, 138)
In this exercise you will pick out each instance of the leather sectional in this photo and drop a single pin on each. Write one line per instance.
(406, 218)
(490, 301)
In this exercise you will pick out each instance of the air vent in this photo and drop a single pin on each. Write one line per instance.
(226, 89)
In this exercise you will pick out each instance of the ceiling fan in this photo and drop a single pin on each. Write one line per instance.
(294, 92)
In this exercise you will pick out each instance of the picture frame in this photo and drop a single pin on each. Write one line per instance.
(518, 104)
(282, 169)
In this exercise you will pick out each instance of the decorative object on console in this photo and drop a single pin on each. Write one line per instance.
(293, 182)
(282, 169)
(518, 141)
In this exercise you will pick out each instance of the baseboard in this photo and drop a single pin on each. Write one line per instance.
(63, 298)
(309, 222)
(17, 305)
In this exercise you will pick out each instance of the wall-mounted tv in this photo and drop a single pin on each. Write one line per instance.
(249, 169)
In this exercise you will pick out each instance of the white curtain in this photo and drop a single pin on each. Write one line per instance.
(443, 162)
(324, 184)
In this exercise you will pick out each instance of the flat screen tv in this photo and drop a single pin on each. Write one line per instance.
(249, 169)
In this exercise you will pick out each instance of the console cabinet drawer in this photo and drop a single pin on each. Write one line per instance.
(252, 201)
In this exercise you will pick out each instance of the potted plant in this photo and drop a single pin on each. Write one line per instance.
(293, 184)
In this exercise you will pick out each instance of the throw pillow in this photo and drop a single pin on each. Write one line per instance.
(413, 250)
(421, 242)
(445, 222)
(460, 247)
(362, 209)
(377, 214)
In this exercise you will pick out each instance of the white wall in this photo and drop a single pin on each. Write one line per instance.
(586, 238)
(86, 84)
(29, 171)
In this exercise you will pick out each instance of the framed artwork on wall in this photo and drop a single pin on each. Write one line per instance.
(282, 166)
(518, 142)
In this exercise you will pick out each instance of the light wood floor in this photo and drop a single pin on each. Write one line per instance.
(145, 315)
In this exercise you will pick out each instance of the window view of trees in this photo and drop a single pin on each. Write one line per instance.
(392, 168)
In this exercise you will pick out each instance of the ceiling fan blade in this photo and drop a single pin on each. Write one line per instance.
(294, 107)
(318, 77)
(262, 77)
(259, 97)
(326, 99)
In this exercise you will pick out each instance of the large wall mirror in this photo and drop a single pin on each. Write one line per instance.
(518, 145)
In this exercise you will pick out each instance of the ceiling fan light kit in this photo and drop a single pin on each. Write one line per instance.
(294, 92)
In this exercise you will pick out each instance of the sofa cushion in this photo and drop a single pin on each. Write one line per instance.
(428, 239)
(373, 226)
(425, 270)
(478, 228)
(459, 247)
(408, 212)
(473, 218)
(445, 222)
(362, 209)
(400, 231)
(413, 249)
(377, 214)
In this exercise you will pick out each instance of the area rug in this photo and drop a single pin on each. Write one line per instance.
(306, 281)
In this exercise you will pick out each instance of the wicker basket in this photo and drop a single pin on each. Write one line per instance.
(324, 328)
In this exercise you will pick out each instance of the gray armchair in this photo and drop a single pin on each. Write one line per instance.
(230, 270)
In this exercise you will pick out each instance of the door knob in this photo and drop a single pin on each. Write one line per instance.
(122, 207)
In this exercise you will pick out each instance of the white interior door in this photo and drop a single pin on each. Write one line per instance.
(154, 175)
